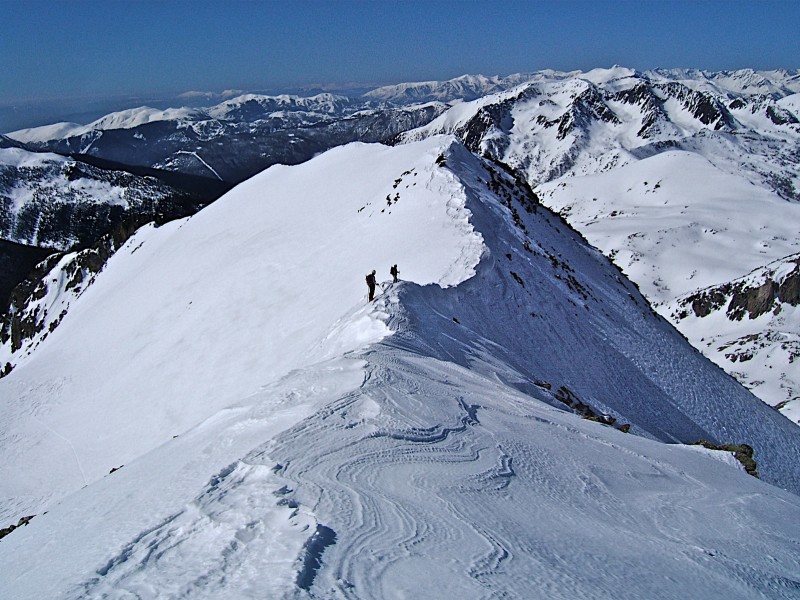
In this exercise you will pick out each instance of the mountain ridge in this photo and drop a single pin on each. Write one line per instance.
(600, 146)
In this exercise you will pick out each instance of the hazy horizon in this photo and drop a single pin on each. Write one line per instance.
(80, 60)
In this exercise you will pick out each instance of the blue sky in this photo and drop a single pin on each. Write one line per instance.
(87, 52)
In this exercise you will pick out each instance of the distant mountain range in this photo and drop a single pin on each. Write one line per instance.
(232, 140)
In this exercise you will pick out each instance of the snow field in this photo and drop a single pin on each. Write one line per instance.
(672, 210)
(410, 447)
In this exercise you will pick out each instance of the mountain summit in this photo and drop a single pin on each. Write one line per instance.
(220, 413)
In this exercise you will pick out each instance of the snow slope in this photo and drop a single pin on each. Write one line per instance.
(676, 224)
(283, 438)
(686, 178)
(176, 306)
(674, 210)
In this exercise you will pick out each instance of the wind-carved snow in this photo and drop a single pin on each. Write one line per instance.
(491, 493)
(243, 524)
(230, 280)
(413, 446)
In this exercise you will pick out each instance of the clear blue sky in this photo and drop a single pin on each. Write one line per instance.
(89, 50)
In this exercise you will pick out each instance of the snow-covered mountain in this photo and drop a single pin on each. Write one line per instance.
(680, 175)
(234, 139)
(464, 88)
(753, 324)
(593, 122)
(48, 200)
(241, 108)
(220, 413)
(687, 179)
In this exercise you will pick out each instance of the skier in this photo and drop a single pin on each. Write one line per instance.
(393, 272)
(371, 284)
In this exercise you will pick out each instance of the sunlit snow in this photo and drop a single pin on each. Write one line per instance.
(280, 437)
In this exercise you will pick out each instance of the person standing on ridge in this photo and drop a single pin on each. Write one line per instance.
(371, 284)
(393, 272)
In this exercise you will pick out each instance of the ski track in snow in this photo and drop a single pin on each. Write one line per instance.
(71, 446)
(511, 484)
(205, 164)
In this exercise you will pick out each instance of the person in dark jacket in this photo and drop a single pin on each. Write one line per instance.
(371, 285)
(393, 272)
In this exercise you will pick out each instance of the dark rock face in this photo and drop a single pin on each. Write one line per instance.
(781, 116)
(652, 107)
(703, 106)
(753, 301)
(789, 290)
(704, 304)
(588, 107)
(16, 262)
(22, 521)
(19, 324)
(494, 116)
(26, 318)
(747, 299)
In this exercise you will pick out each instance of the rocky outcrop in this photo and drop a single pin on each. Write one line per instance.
(22, 521)
(751, 296)
(741, 452)
(703, 106)
(38, 304)
(755, 336)
(16, 263)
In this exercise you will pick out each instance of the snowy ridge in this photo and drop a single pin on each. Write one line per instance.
(123, 300)
(253, 103)
(743, 81)
(282, 438)
(685, 178)
(466, 87)
(126, 119)
(470, 87)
